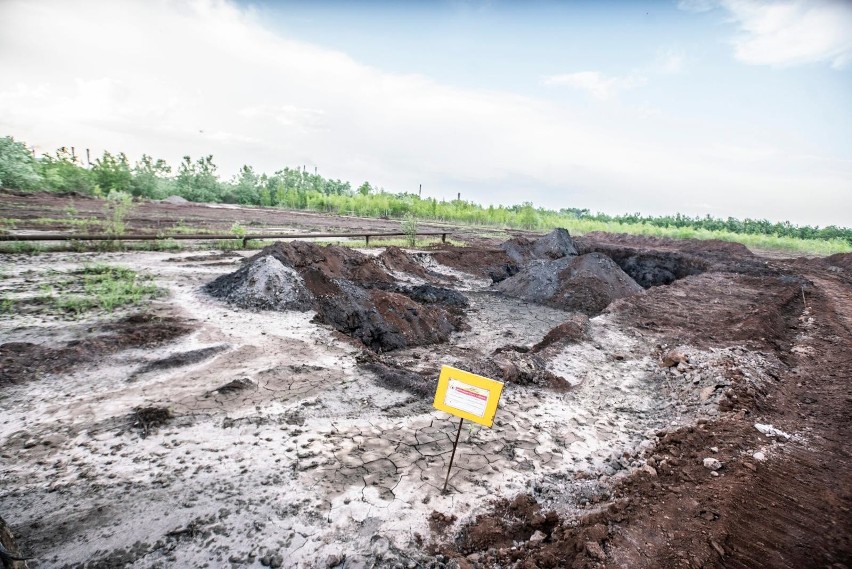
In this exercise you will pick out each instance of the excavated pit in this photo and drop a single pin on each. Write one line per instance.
(267, 437)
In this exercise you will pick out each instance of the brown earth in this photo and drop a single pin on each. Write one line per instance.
(793, 511)
(21, 361)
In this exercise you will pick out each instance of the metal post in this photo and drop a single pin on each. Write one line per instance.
(453, 456)
(443, 237)
(368, 240)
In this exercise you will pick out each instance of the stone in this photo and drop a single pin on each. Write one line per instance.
(674, 357)
(712, 464)
(706, 394)
(538, 537)
(595, 550)
(276, 561)
(760, 456)
(649, 469)
(333, 561)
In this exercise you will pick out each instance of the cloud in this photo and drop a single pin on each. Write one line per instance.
(218, 81)
(595, 83)
(669, 61)
(786, 33)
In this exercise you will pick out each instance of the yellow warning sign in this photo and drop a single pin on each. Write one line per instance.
(468, 395)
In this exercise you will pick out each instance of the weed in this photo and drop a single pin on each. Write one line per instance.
(409, 227)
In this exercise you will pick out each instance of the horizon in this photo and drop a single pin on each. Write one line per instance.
(728, 109)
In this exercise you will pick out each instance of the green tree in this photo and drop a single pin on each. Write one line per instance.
(112, 173)
(18, 168)
(63, 172)
(150, 178)
(197, 181)
(365, 189)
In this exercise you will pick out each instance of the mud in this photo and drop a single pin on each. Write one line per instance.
(27, 361)
(179, 360)
(494, 264)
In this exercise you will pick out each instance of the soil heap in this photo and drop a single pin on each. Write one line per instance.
(350, 291)
(587, 283)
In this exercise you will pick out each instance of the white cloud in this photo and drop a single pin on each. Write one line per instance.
(790, 32)
(669, 61)
(214, 80)
(595, 83)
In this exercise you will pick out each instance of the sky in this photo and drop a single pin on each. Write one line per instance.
(721, 107)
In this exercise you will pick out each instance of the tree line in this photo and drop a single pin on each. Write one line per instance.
(198, 181)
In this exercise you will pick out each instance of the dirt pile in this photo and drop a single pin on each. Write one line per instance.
(587, 284)
(334, 262)
(752, 311)
(482, 262)
(554, 245)
(350, 291)
(264, 284)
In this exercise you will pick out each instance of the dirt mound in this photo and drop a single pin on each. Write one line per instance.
(22, 361)
(554, 245)
(382, 320)
(175, 200)
(842, 260)
(349, 290)
(587, 284)
(758, 311)
(575, 329)
(263, 284)
(714, 247)
(492, 263)
(397, 260)
(508, 522)
(335, 262)
(148, 419)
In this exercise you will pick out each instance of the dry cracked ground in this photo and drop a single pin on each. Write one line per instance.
(667, 404)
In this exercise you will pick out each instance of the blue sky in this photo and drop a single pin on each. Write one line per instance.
(728, 107)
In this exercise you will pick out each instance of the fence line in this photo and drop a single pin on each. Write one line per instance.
(198, 237)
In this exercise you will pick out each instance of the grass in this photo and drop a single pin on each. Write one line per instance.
(789, 244)
(400, 242)
(98, 287)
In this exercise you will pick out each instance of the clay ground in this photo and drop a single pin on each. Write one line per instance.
(275, 445)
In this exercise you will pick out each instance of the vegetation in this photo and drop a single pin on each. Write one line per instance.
(99, 286)
(294, 188)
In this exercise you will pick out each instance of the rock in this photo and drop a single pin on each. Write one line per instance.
(707, 393)
(537, 537)
(649, 469)
(759, 456)
(276, 561)
(333, 561)
(712, 464)
(674, 358)
(595, 550)
(771, 431)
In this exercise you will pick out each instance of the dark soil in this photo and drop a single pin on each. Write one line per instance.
(180, 359)
(492, 263)
(334, 262)
(587, 284)
(400, 379)
(10, 555)
(147, 420)
(554, 245)
(24, 361)
(428, 294)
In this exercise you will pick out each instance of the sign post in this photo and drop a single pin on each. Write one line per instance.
(467, 396)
